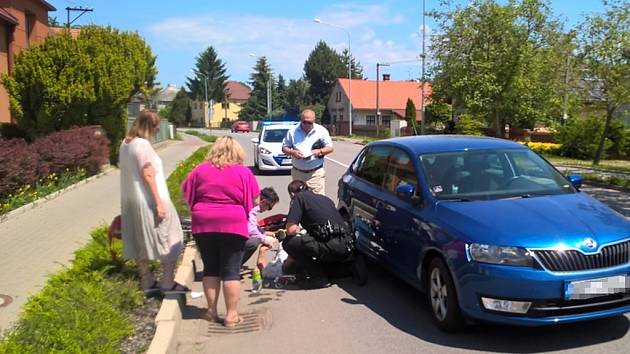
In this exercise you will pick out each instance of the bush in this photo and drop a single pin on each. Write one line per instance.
(12, 131)
(618, 138)
(467, 125)
(580, 137)
(627, 147)
(81, 309)
(19, 166)
(84, 148)
(175, 180)
(544, 148)
(65, 151)
(205, 137)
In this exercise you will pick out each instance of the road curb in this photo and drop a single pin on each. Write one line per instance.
(43, 200)
(170, 315)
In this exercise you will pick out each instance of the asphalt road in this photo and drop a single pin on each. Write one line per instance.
(386, 315)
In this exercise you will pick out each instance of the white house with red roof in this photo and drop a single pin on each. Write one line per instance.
(393, 97)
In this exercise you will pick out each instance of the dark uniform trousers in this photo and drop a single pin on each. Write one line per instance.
(316, 258)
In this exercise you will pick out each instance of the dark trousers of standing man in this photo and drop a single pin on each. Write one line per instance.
(315, 258)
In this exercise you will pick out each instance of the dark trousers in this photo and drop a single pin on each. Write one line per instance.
(221, 254)
(251, 245)
(315, 258)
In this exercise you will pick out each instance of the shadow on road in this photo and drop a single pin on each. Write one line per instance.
(618, 200)
(408, 310)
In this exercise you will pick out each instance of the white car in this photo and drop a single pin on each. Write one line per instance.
(268, 155)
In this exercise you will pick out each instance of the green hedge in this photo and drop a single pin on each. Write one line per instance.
(174, 181)
(82, 309)
(206, 137)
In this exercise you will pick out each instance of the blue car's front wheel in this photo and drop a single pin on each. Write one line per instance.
(443, 297)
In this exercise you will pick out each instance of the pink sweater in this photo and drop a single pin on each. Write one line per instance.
(220, 200)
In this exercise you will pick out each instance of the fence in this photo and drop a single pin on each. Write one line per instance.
(162, 135)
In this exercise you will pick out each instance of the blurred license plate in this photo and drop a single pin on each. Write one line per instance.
(584, 289)
(286, 161)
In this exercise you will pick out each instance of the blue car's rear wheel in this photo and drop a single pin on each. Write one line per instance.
(443, 297)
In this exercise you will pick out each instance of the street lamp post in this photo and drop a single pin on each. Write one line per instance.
(317, 20)
(205, 90)
(269, 103)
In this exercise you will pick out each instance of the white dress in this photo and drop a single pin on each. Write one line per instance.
(143, 236)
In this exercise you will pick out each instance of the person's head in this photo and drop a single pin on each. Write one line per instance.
(225, 152)
(146, 125)
(296, 187)
(268, 198)
(307, 119)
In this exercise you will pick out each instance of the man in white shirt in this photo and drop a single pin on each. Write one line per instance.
(307, 144)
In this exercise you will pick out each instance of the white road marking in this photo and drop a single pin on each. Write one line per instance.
(337, 162)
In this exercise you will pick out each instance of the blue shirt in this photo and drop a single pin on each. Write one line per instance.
(298, 139)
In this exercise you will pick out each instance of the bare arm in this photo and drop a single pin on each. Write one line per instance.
(323, 151)
(148, 174)
(292, 229)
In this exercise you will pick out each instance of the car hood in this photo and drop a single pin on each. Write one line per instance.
(538, 222)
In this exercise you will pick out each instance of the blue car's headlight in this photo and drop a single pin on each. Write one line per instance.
(515, 256)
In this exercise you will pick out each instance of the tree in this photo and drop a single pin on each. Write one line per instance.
(281, 93)
(53, 22)
(604, 45)
(438, 113)
(66, 82)
(500, 62)
(180, 109)
(357, 68)
(256, 106)
(208, 67)
(297, 92)
(410, 115)
(321, 70)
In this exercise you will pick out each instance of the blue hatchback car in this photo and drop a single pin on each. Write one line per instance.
(489, 230)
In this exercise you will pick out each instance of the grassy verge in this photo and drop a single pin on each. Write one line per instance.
(614, 181)
(206, 137)
(84, 308)
(176, 178)
(604, 165)
(45, 186)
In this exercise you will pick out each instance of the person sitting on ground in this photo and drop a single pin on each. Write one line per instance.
(327, 241)
(267, 200)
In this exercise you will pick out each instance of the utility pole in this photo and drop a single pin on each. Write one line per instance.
(80, 9)
(565, 105)
(378, 105)
(422, 115)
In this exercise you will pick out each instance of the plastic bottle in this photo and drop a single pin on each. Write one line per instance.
(256, 281)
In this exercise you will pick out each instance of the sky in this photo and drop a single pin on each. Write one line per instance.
(283, 31)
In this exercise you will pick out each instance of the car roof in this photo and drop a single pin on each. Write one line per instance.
(448, 143)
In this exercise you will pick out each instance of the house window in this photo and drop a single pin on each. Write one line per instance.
(338, 98)
(385, 120)
(370, 120)
(341, 117)
(334, 117)
(225, 105)
(30, 26)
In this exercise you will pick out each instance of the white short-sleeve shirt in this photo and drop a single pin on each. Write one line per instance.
(298, 139)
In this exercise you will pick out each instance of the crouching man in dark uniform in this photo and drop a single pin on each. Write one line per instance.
(326, 246)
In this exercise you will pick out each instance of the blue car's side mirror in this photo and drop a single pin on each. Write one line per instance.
(405, 191)
(576, 180)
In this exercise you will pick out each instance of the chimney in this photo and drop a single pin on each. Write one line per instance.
(385, 77)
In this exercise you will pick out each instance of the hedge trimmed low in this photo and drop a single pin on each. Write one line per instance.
(82, 309)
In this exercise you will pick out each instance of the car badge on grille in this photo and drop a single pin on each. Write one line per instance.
(589, 244)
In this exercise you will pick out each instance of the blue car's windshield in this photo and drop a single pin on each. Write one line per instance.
(491, 174)
(274, 135)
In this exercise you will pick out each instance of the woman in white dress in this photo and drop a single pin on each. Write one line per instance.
(151, 228)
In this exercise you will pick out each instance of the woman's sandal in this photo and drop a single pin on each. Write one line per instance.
(210, 318)
(177, 289)
(232, 324)
(152, 289)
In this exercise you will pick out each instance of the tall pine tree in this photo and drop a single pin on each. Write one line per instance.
(296, 98)
(321, 70)
(357, 68)
(256, 106)
(210, 67)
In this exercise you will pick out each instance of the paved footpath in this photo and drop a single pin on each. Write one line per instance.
(42, 240)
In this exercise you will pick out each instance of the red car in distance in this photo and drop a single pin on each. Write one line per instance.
(241, 126)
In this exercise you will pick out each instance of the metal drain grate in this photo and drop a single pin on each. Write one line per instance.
(5, 300)
(250, 322)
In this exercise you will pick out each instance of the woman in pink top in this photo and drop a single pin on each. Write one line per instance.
(220, 193)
